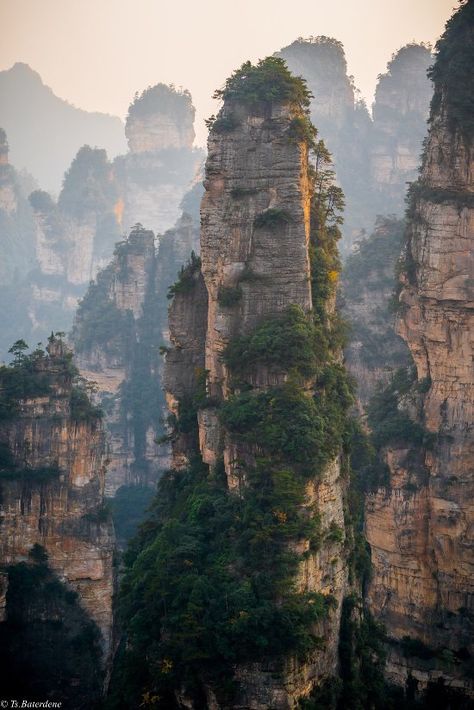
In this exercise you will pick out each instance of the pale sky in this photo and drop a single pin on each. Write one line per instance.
(97, 53)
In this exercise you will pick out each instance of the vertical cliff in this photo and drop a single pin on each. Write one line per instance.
(250, 519)
(419, 525)
(161, 162)
(400, 112)
(116, 339)
(57, 544)
(120, 328)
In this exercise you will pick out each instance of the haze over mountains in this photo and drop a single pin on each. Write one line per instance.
(45, 132)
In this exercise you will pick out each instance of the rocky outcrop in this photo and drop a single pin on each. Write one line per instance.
(109, 331)
(255, 265)
(160, 118)
(52, 485)
(419, 526)
(400, 112)
(74, 238)
(117, 335)
(161, 162)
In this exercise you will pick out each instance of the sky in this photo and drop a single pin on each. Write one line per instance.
(98, 53)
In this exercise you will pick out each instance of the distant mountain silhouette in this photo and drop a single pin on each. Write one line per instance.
(45, 132)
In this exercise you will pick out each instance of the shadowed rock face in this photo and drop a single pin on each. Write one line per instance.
(368, 282)
(422, 551)
(52, 488)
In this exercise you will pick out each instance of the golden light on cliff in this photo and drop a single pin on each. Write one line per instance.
(118, 210)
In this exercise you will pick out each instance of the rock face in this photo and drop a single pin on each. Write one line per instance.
(160, 118)
(74, 238)
(422, 552)
(373, 158)
(255, 264)
(161, 162)
(119, 328)
(400, 112)
(52, 485)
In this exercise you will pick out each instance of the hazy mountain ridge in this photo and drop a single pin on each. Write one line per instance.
(45, 131)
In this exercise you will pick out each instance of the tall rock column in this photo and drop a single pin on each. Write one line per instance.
(57, 546)
(420, 528)
(259, 225)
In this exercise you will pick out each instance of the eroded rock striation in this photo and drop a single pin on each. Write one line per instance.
(57, 544)
(419, 526)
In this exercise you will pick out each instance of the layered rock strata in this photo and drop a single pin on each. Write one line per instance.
(52, 485)
(419, 527)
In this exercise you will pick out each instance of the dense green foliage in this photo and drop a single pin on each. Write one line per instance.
(293, 427)
(390, 422)
(23, 379)
(100, 322)
(269, 80)
(33, 375)
(452, 71)
(214, 564)
(185, 280)
(49, 648)
(87, 185)
(163, 99)
(292, 341)
(272, 218)
(229, 296)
